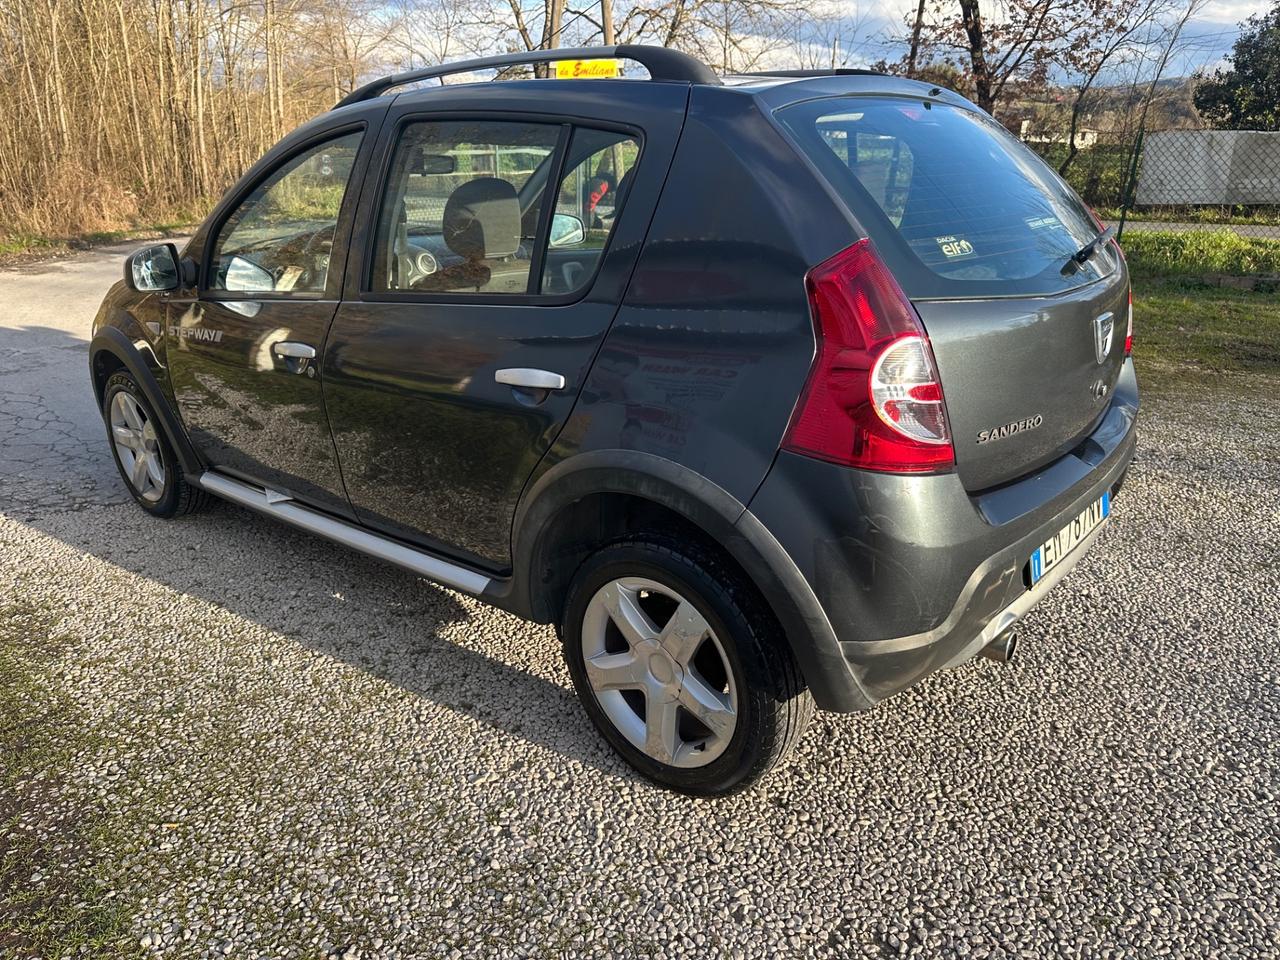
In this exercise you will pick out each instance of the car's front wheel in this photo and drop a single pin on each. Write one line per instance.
(681, 666)
(143, 455)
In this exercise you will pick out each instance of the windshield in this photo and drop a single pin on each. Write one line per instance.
(955, 204)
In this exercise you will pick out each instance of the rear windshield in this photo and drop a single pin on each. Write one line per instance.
(956, 205)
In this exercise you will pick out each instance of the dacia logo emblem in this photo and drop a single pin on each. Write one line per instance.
(1104, 328)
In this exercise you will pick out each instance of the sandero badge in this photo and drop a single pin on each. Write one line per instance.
(1009, 429)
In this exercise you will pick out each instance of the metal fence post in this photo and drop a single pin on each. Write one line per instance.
(1126, 198)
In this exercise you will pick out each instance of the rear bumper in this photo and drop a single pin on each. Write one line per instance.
(913, 573)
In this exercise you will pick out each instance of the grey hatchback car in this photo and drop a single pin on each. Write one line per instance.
(770, 392)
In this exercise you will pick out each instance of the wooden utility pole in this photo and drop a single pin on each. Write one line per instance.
(550, 34)
(606, 22)
(606, 26)
(557, 17)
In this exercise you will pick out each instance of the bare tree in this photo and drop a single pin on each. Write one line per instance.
(827, 38)
(436, 32)
(127, 112)
(1018, 43)
(1109, 30)
(728, 35)
(914, 52)
(120, 112)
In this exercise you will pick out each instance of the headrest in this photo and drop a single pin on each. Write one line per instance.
(482, 219)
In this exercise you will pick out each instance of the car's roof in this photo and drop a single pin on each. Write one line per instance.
(664, 67)
(776, 90)
(781, 89)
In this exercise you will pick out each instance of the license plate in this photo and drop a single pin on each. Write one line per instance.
(1059, 546)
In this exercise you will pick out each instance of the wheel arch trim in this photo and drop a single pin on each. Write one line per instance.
(716, 513)
(114, 341)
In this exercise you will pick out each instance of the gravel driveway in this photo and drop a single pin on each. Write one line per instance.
(257, 744)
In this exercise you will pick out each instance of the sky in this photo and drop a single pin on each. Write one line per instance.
(1206, 40)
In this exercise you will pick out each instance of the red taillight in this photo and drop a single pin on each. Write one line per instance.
(873, 399)
(1128, 337)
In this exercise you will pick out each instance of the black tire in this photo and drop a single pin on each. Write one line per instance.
(179, 496)
(774, 705)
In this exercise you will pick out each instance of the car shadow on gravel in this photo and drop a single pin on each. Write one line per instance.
(375, 617)
(57, 476)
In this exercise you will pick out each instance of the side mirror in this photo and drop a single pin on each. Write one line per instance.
(567, 230)
(153, 269)
(245, 276)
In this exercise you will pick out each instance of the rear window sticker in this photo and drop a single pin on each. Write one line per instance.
(954, 247)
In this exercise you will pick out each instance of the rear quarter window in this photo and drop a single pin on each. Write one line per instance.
(956, 206)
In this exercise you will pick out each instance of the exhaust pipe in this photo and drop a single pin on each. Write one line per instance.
(1002, 648)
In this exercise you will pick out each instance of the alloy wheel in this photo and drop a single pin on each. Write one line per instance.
(137, 446)
(659, 672)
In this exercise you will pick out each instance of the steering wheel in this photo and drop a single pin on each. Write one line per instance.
(317, 250)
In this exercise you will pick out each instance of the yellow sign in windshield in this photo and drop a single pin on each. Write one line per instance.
(586, 69)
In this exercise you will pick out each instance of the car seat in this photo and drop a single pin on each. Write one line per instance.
(481, 224)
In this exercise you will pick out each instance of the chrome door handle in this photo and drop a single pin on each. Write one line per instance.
(295, 351)
(530, 379)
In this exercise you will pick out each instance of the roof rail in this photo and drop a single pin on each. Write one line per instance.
(661, 62)
(837, 72)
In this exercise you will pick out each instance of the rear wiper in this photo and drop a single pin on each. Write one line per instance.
(1081, 256)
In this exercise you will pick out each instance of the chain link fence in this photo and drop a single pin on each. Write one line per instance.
(1191, 177)
(1189, 200)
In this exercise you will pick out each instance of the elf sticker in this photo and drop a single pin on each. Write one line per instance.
(954, 247)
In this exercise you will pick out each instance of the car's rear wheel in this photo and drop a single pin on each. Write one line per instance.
(681, 666)
(142, 453)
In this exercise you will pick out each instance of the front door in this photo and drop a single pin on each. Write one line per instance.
(461, 343)
(244, 352)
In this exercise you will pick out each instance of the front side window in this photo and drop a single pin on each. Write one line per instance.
(461, 212)
(588, 202)
(280, 238)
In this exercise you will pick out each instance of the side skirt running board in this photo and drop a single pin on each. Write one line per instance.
(282, 507)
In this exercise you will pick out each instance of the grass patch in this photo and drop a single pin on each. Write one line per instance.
(25, 243)
(1200, 253)
(1186, 329)
(50, 902)
(21, 247)
(1255, 216)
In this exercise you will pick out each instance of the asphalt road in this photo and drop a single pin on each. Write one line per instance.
(272, 747)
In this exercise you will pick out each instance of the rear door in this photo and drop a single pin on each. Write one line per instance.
(980, 235)
(464, 336)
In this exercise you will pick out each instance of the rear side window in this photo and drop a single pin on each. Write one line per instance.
(463, 207)
(956, 205)
(589, 201)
